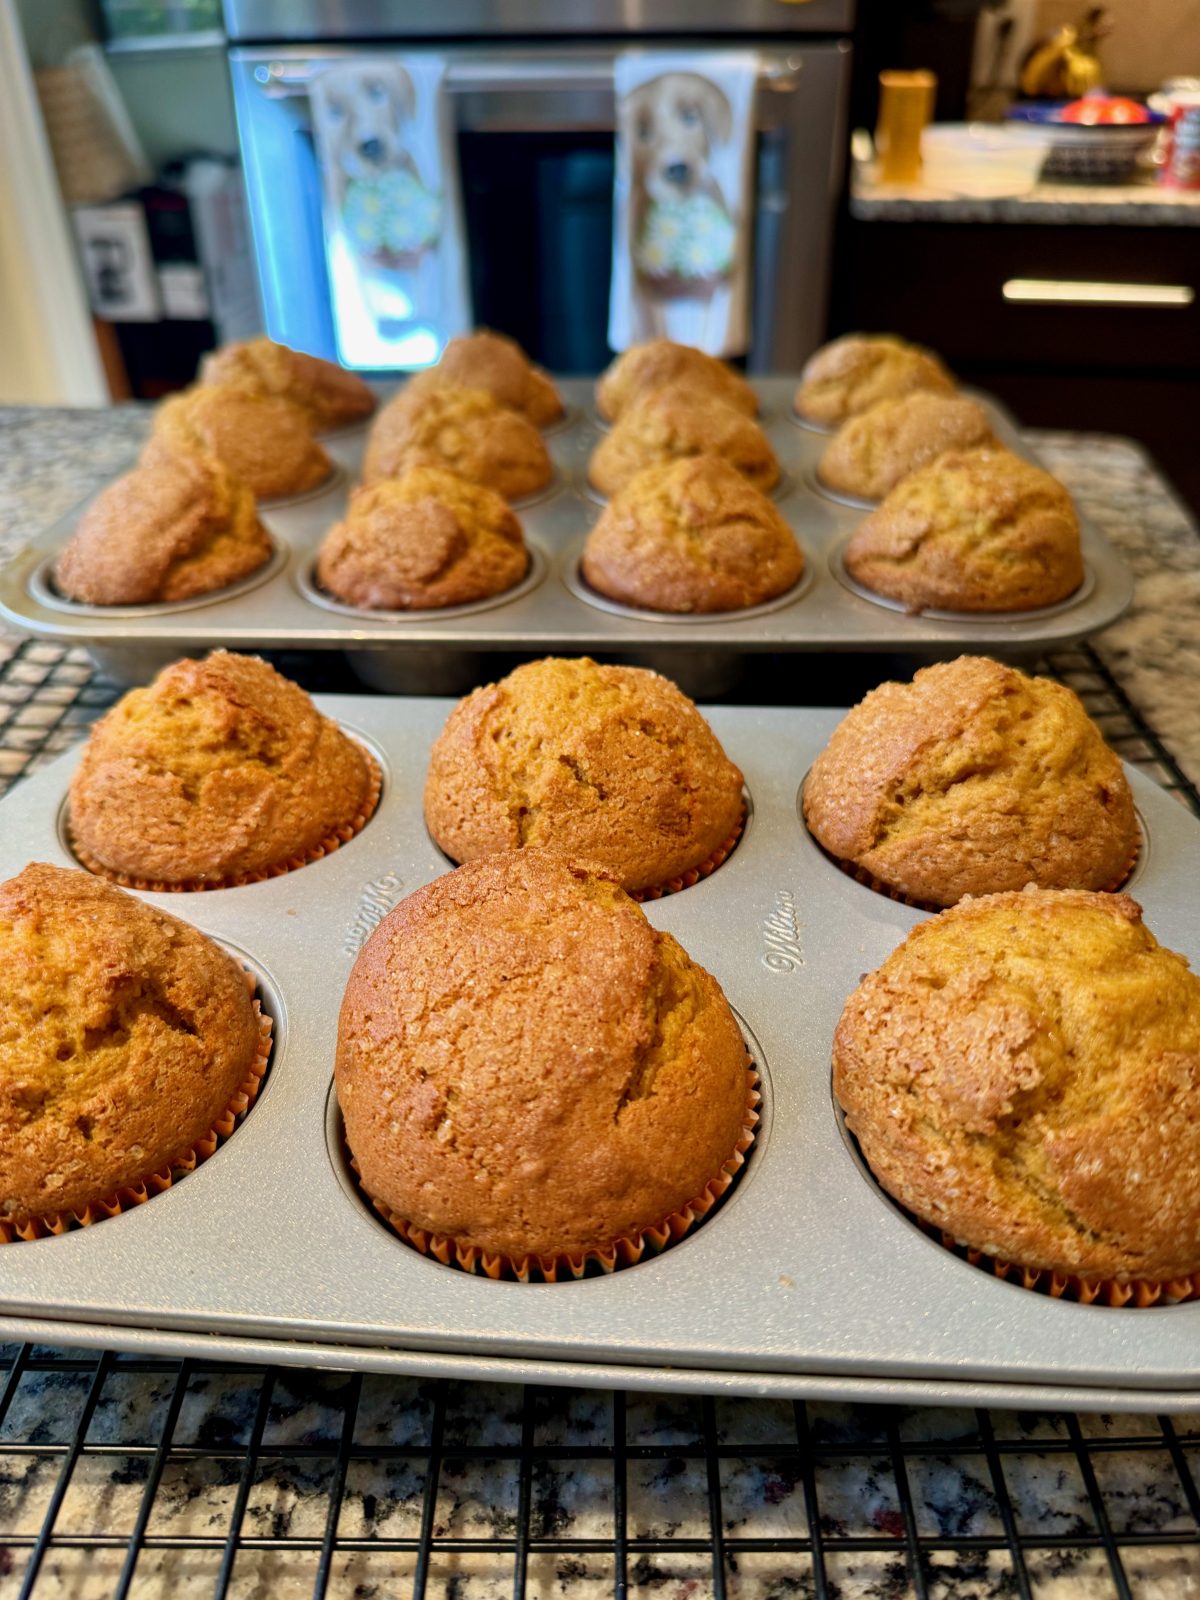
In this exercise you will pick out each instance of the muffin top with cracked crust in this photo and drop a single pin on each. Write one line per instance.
(463, 430)
(975, 530)
(691, 535)
(332, 397)
(219, 769)
(427, 539)
(525, 1065)
(124, 1035)
(853, 372)
(611, 763)
(486, 360)
(1024, 1073)
(973, 779)
(873, 450)
(264, 440)
(659, 362)
(677, 421)
(170, 529)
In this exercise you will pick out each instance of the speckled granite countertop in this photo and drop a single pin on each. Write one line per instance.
(984, 1499)
(1139, 205)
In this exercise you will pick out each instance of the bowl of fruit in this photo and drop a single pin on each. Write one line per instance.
(1096, 139)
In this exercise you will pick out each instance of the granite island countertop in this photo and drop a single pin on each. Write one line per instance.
(1130, 205)
(874, 1477)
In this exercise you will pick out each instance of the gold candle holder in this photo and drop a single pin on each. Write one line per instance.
(905, 106)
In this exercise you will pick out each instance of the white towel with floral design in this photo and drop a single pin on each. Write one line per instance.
(682, 201)
(393, 222)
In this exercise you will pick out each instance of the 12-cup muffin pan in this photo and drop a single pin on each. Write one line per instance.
(807, 1281)
(553, 609)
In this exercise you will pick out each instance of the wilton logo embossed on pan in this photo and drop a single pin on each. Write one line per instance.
(377, 899)
(781, 935)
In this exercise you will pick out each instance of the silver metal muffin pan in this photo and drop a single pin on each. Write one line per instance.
(441, 650)
(808, 1282)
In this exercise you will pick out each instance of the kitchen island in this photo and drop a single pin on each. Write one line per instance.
(178, 1478)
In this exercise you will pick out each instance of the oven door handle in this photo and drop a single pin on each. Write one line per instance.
(495, 72)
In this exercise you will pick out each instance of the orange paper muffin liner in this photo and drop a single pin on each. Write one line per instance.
(339, 836)
(869, 881)
(623, 1252)
(55, 1222)
(693, 875)
(1069, 1286)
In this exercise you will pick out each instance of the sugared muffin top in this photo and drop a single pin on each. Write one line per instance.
(330, 395)
(1024, 1073)
(124, 1036)
(853, 372)
(525, 1065)
(679, 420)
(659, 362)
(426, 539)
(264, 440)
(166, 530)
(691, 535)
(486, 360)
(972, 779)
(876, 448)
(975, 530)
(218, 771)
(614, 764)
(464, 430)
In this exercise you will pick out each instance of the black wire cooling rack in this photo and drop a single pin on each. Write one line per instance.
(146, 1477)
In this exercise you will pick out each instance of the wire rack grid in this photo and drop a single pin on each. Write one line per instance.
(135, 1476)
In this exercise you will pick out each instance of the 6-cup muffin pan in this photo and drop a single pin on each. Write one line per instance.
(553, 610)
(807, 1281)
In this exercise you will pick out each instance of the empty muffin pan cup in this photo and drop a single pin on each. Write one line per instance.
(279, 608)
(807, 1282)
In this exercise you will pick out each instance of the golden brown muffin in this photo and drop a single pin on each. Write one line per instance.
(427, 539)
(330, 395)
(975, 530)
(876, 448)
(489, 361)
(854, 372)
(678, 421)
(464, 430)
(125, 1035)
(265, 441)
(166, 530)
(973, 779)
(526, 1066)
(659, 362)
(691, 536)
(611, 763)
(1024, 1073)
(219, 771)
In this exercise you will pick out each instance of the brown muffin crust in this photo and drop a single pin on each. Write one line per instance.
(124, 1036)
(976, 530)
(489, 361)
(659, 362)
(677, 421)
(219, 770)
(973, 779)
(614, 764)
(166, 530)
(691, 535)
(525, 1065)
(265, 441)
(427, 539)
(871, 452)
(1024, 1073)
(852, 373)
(330, 395)
(463, 430)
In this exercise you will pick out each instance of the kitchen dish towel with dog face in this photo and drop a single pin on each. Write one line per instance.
(682, 202)
(394, 240)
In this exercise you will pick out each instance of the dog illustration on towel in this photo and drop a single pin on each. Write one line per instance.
(684, 233)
